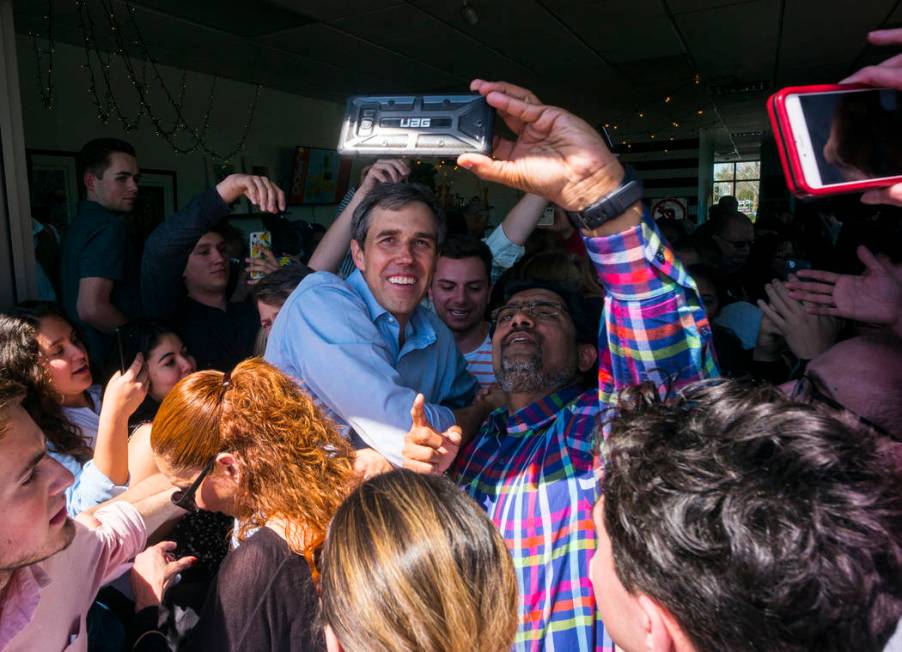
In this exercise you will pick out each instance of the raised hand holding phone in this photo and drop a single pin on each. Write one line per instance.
(556, 155)
(125, 391)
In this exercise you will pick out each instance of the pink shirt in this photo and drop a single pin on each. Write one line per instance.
(46, 603)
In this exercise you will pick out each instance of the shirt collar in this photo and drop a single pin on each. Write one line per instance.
(537, 414)
(358, 284)
(418, 332)
(88, 206)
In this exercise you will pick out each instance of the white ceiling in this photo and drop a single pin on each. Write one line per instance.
(609, 60)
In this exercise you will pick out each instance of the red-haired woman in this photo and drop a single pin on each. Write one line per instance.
(252, 445)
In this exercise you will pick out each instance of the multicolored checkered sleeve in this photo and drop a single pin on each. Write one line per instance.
(653, 326)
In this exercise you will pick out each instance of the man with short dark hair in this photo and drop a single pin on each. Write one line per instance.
(365, 346)
(185, 273)
(50, 566)
(99, 270)
(460, 293)
(734, 519)
(532, 464)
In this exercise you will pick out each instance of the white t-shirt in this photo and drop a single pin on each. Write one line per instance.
(87, 419)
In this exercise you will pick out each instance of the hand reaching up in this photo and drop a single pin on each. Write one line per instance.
(873, 297)
(262, 192)
(387, 170)
(556, 155)
(806, 335)
(425, 450)
(154, 570)
(125, 391)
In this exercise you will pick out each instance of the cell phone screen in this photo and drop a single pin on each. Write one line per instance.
(854, 135)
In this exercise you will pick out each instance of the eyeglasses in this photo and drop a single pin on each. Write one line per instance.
(739, 244)
(184, 498)
(807, 391)
(540, 310)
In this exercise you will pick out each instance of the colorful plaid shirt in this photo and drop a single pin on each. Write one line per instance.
(535, 471)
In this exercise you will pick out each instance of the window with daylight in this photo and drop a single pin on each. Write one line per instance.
(740, 179)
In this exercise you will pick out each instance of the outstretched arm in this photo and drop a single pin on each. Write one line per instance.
(168, 246)
(873, 297)
(653, 327)
(332, 248)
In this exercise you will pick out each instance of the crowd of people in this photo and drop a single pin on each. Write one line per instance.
(422, 436)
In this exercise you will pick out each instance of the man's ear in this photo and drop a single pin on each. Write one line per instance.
(88, 179)
(358, 255)
(662, 632)
(587, 354)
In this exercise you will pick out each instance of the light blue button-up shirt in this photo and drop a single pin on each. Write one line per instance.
(339, 342)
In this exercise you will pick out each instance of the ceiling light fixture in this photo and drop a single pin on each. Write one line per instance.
(469, 13)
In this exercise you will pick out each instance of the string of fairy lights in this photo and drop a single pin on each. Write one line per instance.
(103, 65)
(183, 136)
(674, 126)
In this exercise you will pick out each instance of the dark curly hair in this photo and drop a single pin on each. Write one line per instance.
(21, 362)
(758, 523)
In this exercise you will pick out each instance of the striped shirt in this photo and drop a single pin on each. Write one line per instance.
(536, 471)
(479, 363)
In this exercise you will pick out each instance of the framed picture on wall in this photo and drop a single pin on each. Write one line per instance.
(157, 200)
(54, 186)
(318, 176)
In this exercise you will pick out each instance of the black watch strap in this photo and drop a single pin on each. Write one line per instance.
(612, 205)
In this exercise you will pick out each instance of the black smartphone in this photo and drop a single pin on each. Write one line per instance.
(793, 265)
(416, 125)
(121, 349)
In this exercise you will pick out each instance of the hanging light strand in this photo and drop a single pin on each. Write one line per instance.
(45, 88)
(107, 104)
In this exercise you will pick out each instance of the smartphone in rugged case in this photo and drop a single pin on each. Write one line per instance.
(416, 125)
(795, 144)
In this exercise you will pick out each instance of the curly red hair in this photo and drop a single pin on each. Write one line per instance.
(296, 466)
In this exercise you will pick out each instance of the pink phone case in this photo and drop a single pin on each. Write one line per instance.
(789, 154)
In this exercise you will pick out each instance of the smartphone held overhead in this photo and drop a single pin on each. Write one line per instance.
(836, 139)
(416, 125)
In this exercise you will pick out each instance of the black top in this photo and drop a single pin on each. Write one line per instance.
(218, 339)
(262, 599)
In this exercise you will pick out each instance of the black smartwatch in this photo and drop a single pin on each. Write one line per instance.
(611, 205)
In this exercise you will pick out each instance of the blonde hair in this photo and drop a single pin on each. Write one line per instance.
(412, 563)
(295, 464)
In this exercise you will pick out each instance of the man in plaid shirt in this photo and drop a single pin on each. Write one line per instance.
(532, 465)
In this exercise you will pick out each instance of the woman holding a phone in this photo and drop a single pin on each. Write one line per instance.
(40, 349)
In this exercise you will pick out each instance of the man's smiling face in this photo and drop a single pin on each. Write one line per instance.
(398, 257)
(460, 292)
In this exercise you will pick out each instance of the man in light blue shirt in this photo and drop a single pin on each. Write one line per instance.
(365, 347)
